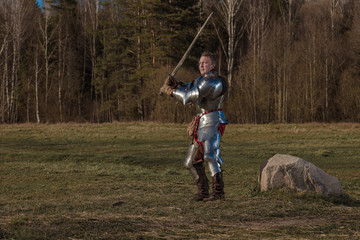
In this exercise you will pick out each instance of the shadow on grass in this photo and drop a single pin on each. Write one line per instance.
(76, 228)
(343, 199)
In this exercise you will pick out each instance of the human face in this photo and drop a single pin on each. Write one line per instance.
(205, 65)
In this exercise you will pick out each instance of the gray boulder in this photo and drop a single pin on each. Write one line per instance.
(298, 174)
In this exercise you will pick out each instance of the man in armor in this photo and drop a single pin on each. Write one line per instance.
(207, 93)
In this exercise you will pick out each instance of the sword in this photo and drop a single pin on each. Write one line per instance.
(178, 66)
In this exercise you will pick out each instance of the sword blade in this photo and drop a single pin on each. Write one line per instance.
(181, 62)
(178, 66)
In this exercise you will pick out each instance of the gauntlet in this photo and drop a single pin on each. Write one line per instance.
(169, 85)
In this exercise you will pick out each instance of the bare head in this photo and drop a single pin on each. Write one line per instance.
(207, 62)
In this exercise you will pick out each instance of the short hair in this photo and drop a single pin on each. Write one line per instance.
(210, 55)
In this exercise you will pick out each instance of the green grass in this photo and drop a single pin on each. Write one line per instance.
(60, 182)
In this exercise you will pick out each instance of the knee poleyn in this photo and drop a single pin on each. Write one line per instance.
(209, 157)
(188, 164)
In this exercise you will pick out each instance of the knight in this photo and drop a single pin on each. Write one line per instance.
(207, 93)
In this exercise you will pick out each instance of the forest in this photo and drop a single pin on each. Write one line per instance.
(96, 61)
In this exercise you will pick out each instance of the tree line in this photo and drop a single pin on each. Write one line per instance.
(288, 61)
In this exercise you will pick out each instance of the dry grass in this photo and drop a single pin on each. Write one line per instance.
(61, 181)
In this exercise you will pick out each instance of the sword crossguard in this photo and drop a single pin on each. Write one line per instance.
(177, 79)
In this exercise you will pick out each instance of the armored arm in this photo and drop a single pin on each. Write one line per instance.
(204, 88)
(185, 95)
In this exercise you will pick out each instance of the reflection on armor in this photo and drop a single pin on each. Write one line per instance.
(188, 163)
(207, 93)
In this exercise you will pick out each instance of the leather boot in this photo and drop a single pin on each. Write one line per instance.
(202, 183)
(217, 187)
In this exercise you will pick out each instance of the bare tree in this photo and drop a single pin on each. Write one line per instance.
(289, 10)
(46, 39)
(348, 87)
(90, 18)
(37, 70)
(231, 19)
(6, 31)
(62, 42)
(259, 14)
(14, 14)
(336, 14)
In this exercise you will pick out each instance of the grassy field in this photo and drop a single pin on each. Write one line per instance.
(61, 181)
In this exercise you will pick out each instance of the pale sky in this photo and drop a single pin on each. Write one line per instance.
(39, 2)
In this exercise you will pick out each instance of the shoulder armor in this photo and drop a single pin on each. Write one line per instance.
(210, 87)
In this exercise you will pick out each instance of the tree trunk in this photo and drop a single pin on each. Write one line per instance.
(37, 87)
(229, 13)
(5, 95)
(93, 7)
(60, 73)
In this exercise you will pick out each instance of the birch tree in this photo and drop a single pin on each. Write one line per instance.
(233, 21)
(90, 24)
(16, 18)
(69, 65)
(4, 54)
(259, 15)
(289, 16)
(47, 35)
(335, 10)
(14, 14)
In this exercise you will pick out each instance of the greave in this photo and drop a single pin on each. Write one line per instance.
(202, 183)
(217, 187)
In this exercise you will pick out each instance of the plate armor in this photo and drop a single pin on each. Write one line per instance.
(207, 93)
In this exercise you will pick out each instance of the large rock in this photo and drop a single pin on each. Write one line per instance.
(295, 173)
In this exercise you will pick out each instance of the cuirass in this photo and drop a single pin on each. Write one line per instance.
(207, 93)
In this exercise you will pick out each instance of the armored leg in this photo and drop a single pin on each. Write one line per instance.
(194, 162)
(212, 154)
(212, 157)
(190, 157)
(202, 183)
(217, 188)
